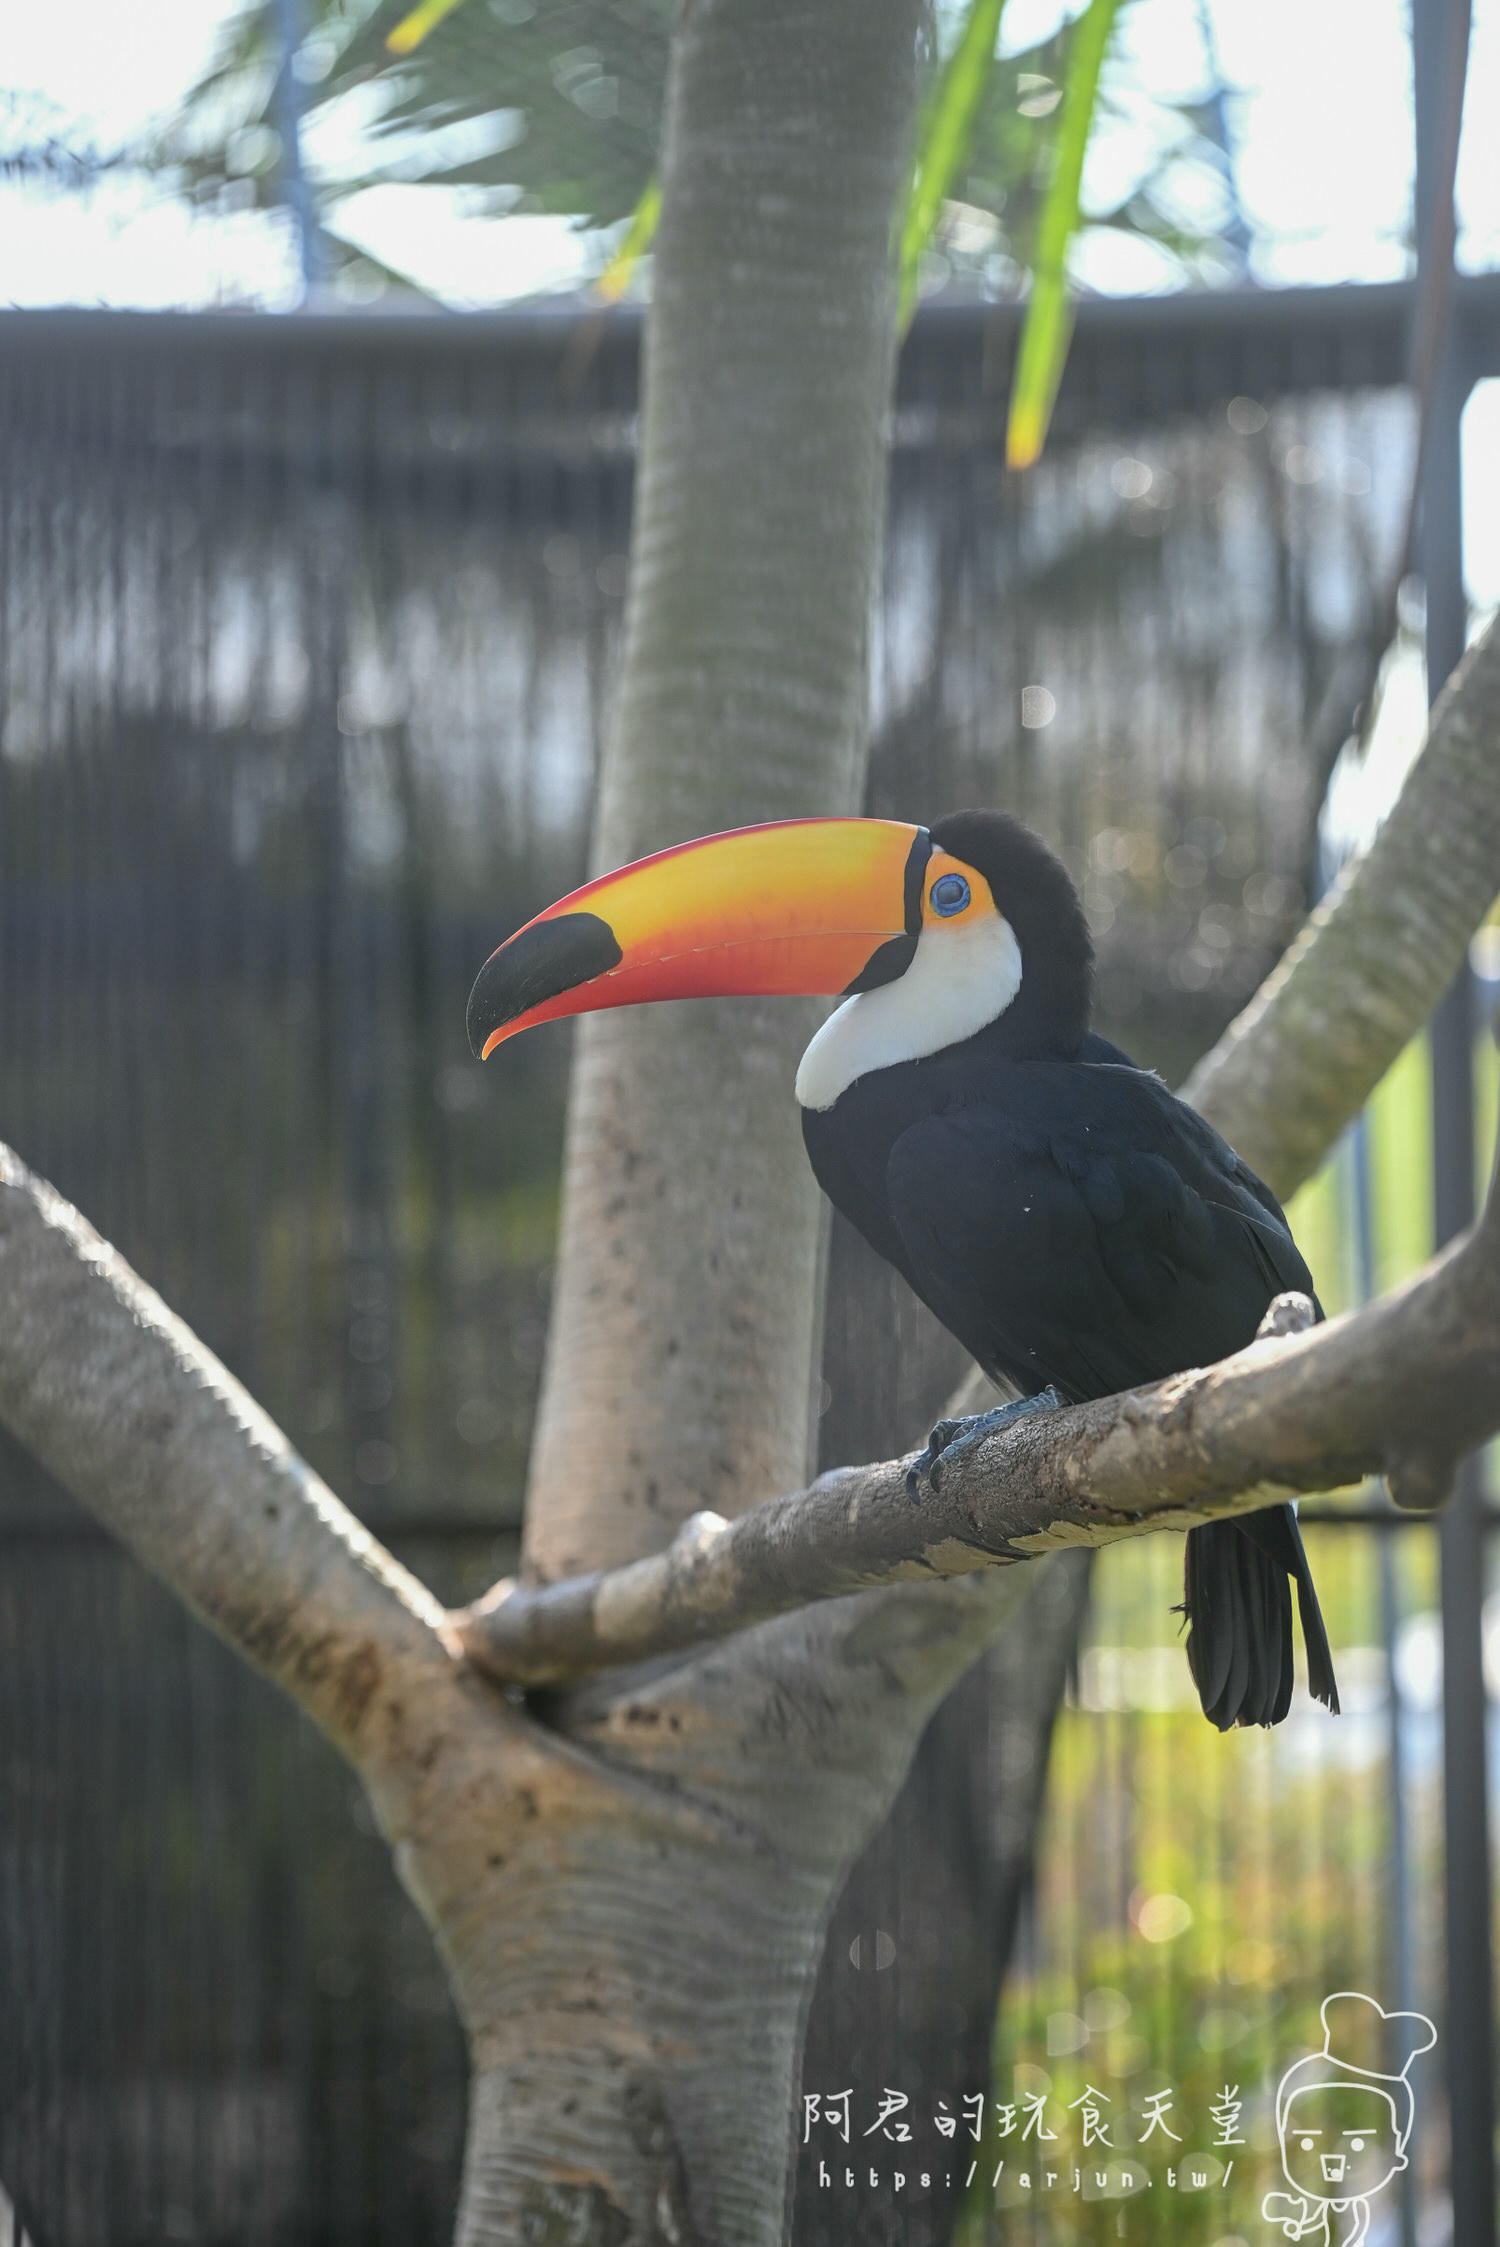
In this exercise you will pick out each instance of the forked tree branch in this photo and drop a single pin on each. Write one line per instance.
(1405, 1386)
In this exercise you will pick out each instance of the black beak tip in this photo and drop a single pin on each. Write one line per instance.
(479, 1018)
(540, 963)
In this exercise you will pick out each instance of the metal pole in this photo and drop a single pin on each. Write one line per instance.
(1440, 31)
(1399, 1897)
(1400, 1900)
(1403, 1978)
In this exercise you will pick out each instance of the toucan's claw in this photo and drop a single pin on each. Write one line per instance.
(924, 1468)
(951, 1437)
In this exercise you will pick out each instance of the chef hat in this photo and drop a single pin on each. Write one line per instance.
(1354, 2023)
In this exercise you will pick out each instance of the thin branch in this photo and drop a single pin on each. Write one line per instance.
(1378, 953)
(1405, 1386)
(120, 1401)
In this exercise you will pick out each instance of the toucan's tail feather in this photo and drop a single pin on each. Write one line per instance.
(1321, 1682)
(1237, 1596)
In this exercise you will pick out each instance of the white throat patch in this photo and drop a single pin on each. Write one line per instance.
(960, 980)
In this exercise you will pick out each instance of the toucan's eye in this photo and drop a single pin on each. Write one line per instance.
(949, 895)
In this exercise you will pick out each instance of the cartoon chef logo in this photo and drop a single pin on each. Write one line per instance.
(1343, 2126)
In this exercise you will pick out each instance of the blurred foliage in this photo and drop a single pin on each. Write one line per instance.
(555, 106)
(988, 231)
(1399, 1122)
(532, 105)
(1246, 1882)
(38, 148)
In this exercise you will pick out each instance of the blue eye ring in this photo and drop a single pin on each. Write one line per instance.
(948, 895)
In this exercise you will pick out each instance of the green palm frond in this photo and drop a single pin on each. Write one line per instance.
(1049, 321)
(406, 36)
(637, 240)
(947, 130)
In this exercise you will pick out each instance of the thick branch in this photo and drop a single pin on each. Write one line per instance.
(1378, 953)
(1406, 1387)
(121, 1402)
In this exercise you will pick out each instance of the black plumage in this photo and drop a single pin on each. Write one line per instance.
(1075, 1224)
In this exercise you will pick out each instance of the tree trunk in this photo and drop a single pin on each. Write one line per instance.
(634, 1970)
(678, 1368)
(634, 1976)
(942, 1880)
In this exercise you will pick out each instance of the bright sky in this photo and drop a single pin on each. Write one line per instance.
(1319, 112)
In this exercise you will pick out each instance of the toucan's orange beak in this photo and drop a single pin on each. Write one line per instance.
(806, 906)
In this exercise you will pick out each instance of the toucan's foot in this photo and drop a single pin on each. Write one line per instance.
(950, 1437)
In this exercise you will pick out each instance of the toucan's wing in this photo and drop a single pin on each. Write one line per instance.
(852, 1175)
(1099, 1244)
(1075, 1246)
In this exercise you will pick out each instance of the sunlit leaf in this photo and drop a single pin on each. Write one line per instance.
(638, 237)
(413, 29)
(1049, 319)
(945, 139)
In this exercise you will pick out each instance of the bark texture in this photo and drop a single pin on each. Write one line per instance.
(759, 503)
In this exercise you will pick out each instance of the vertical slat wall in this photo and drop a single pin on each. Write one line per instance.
(306, 636)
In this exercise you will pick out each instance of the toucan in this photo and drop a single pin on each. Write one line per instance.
(1079, 1228)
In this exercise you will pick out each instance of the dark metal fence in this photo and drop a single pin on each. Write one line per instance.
(306, 634)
